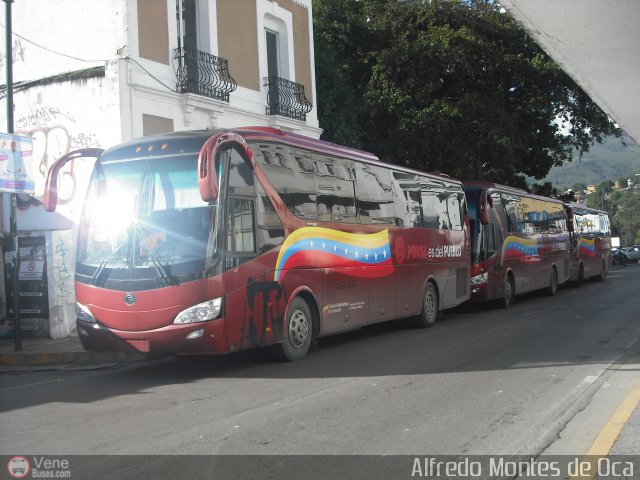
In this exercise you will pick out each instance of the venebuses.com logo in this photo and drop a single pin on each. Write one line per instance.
(38, 467)
(18, 467)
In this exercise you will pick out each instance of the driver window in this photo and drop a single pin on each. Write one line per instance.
(240, 226)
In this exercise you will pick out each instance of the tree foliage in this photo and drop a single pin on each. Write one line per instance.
(446, 85)
(623, 207)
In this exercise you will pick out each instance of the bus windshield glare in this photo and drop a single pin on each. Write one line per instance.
(145, 224)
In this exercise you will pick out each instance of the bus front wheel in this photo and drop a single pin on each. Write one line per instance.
(552, 289)
(509, 292)
(430, 308)
(578, 281)
(603, 273)
(298, 331)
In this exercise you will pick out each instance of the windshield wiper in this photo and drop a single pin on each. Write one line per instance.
(96, 275)
(155, 258)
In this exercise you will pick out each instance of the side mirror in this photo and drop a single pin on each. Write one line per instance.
(207, 177)
(483, 208)
(570, 225)
(51, 182)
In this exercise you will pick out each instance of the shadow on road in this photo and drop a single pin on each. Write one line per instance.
(592, 324)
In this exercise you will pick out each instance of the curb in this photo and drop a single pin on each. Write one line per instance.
(75, 358)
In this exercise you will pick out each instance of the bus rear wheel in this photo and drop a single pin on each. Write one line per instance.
(298, 331)
(578, 281)
(430, 308)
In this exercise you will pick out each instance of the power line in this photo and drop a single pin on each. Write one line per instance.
(53, 51)
(150, 74)
(92, 60)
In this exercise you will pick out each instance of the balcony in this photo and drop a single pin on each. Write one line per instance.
(286, 98)
(203, 74)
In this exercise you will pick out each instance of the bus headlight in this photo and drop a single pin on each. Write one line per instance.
(201, 312)
(480, 279)
(83, 313)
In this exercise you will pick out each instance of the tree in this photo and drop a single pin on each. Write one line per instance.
(627, 218)
(449, 86)
(623, 207)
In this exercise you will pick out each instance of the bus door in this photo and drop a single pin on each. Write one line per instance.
(507, 233)
(254, 301)
(491, 247)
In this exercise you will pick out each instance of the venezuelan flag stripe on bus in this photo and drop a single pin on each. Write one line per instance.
(517, 247)
(587, 246)
(318, 247)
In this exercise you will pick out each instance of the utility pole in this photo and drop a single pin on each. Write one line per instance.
(15, 269)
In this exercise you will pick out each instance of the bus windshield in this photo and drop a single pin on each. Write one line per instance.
(145, 224)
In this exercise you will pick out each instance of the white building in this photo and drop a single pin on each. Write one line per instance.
(95, 73)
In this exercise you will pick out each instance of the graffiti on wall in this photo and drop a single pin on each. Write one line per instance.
(56, 131)
(62, 271)
(43, 116)
(51, 140)
(62, 291)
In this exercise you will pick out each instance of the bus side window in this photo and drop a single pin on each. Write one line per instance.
(240, 226)
(499, 210)
(335, 183)
(511, 205)
(269, 229)
(407, 201)
(494, 234)
(240, 221)
(240, 175)
(375, 197)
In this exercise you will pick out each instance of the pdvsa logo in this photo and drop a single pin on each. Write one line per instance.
(18, 467)
(399, 250)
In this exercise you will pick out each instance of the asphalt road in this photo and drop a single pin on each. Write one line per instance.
(482, 381)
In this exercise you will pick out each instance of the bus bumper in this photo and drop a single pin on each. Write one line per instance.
(196, 338)
(480, 293)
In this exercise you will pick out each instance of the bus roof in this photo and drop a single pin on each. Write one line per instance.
(584, 208)
(193, 140)
(484, 185)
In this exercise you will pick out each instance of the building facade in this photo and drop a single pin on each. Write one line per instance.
(94, 74)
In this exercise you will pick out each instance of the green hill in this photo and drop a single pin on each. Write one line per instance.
(607, 161)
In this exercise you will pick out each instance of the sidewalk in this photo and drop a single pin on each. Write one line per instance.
(37, 351)
(609, 424)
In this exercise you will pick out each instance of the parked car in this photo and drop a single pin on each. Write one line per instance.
(617, 257)
(632, 253)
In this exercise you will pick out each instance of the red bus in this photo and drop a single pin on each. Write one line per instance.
(216, 241)
(519, 242)
(590, 243)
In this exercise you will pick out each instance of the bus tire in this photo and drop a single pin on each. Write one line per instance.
(430, 308)
(298, 332)
(509, 292)
(603, 273)
(552, 289)
(578, 281)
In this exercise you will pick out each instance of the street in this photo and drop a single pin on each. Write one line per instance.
(482, 381)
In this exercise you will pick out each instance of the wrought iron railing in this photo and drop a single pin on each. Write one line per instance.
(286, 98)
(203, 74)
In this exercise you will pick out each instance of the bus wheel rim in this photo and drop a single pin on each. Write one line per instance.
(298, 328)
(430, 305)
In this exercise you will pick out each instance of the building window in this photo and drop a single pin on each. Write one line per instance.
(273, 59)
(186, 13)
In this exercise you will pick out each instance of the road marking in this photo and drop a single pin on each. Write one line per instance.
(30, 385)
(609, 434)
